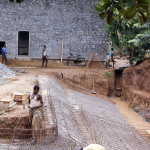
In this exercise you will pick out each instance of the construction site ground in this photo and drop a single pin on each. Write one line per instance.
(83, 118)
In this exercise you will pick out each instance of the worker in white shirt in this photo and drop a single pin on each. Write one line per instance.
(44, 57)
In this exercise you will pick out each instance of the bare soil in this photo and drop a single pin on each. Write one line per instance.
(38, 63)
(76, 79)
(136, 88)
(133, 118)
(103, 83)
(11, 119)
(20, 83)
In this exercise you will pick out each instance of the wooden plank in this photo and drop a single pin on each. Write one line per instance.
(62, 49)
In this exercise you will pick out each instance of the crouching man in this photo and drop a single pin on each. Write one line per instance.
(35, 104)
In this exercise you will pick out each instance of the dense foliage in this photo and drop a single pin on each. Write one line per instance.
(129, 37)
(128, 9)
(128, 25)
(140, 45)
(120, 32)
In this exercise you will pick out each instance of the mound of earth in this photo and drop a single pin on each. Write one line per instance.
(103, 80)
(136, 88)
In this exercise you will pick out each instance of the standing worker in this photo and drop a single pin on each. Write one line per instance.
(4, 58)
(111, 55)
(111, 58)
(44, 57)
(35, 103)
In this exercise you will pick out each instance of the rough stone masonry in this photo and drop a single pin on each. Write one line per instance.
(50, 21)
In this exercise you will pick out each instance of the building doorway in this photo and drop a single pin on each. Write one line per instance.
(1, 46)
(23, 43)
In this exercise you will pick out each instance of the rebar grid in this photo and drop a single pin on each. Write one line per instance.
(98, 130)
(78, 127)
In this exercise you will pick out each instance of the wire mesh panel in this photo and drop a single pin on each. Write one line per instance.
(78, 127)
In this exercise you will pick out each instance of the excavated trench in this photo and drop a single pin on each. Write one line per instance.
(118, 82)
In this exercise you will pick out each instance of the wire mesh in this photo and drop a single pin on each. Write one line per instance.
(78, 127)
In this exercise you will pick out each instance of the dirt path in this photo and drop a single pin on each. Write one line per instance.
(133, 118)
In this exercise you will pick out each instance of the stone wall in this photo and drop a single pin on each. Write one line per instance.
(50, 21)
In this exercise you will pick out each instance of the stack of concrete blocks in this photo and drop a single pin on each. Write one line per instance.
(20, 98)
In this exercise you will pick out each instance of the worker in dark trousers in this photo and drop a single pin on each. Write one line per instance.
(111, 55)
(4, 58)
(44, 57)
(110, 58)
(35, 104)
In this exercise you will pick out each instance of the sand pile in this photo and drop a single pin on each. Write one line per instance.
(5, 73)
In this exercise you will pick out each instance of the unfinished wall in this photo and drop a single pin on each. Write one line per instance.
(50, 21)
(136, 88)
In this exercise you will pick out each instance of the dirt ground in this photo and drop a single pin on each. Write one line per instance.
(132, 117)
(20, 83)
(67, 76)
(136, 88)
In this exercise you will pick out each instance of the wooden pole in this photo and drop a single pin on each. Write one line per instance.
(89, 61)
(62, 49)
(99, 61)
(93, 91)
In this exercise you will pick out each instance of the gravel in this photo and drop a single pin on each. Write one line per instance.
(5, 73)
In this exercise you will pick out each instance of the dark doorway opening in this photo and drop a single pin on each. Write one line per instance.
(1, 46)
(23, 43)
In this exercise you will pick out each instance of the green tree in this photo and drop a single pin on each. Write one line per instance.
(120, 32)
(139, 46)
(130, 37)
(128, 9)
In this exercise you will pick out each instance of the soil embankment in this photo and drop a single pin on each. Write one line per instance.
(103, 80)
(136, 88)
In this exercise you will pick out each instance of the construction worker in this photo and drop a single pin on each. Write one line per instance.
(44, 57)
(93, 147)
(4, 58)
(111, 55)
(110, 58)
(35, 103)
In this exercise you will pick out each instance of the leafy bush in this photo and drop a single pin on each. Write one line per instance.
(128, 9)
(109, 74)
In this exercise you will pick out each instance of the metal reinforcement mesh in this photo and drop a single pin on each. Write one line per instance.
(78, 127)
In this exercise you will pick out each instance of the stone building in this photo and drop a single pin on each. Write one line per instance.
(26, 27)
